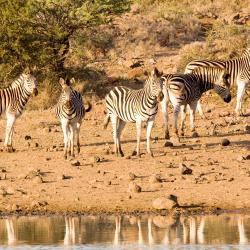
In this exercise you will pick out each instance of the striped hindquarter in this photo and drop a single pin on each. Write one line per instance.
(13, 100)
(70, 110)
(183, 89)
(239, 70)
(128, 105)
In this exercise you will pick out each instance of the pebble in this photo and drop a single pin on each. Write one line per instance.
(27, 137)
(95, 159)
(38, 179)
(134, 188)
(184, 169)
(168, 144)
(247, 128)
(132, 176)
(225, 142)
(155, 179)
(75, 163)
(195, 134)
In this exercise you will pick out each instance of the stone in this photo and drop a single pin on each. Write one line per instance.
(225, 142)
(27, 137)
(75, 163)
(132, 176)
(38, 179)
(165, 203)
(168, 144)
(247, 128)
(195, 134)
(184, 169)
(95, 159)
(155, 179)
(3, 191)
(134, 188)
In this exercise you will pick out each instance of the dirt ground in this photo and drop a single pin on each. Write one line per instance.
(220, 179)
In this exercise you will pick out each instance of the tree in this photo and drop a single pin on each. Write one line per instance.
(38, 32)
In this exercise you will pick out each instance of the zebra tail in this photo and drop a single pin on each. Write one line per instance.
(89, 107)
(106, 121)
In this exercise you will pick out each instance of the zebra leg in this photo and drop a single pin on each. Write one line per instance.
(65, 129)
(193, 106)
(183, 117)
(78, 126)
(164, 109)
(200, 110)
(138, 137)
(9, 131)
(240, 93)
(120, 127)
(71, 139)
(149, 129)
(114, 121)
(176, 113)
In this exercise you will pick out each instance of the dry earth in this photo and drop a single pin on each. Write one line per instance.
(220, 179)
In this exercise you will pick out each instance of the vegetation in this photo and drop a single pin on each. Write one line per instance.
(39, 32)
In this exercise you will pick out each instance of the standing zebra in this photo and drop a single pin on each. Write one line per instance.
(127, 105)
(239, 70)
(13, 100)
(183, 89)
(70, 110)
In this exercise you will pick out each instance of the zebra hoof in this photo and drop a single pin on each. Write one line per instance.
(9, 149)
(167, 137)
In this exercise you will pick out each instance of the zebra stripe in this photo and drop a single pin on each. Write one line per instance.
(13, 100)
(70, 110)
(183, 89)
(238, 68)
(128, 105)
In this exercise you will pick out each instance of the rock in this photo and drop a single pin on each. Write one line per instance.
(47, 130)
(48, 158)
(231, 179)
(3, 176)
(14, 207)
(38, 179)
(132, 176)
(3, 170)
(3, 191)
(225, 142)
(184, 169)
(75, 163)
(27, 137)
(95, 159)
(240, 158)
(168, 144)
(195, 134)
(247, 128)
(155, 179)
(247, 157)
(108, 183)
(165, 203)
(134, 188)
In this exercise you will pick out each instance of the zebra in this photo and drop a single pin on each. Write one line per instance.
(127, 105)
(238, 68)
(71, 111)
(183, 89)
(13, 100)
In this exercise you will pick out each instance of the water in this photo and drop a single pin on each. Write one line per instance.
(126, 232)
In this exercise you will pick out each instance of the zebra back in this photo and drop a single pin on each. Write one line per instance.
(129, 104)
(237, 68)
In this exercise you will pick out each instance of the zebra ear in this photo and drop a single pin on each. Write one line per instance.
(72, 80)
(61, 81)
(156, 72)
(27, 71)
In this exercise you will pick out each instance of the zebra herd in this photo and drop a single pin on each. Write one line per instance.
(127, 105)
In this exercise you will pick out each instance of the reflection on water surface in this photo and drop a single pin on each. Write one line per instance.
(126, 231)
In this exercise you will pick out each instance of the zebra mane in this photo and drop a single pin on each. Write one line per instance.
(18, 82)
(246, 52)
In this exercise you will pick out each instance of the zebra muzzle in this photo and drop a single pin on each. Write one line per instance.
(227, 99)
(35, 92)
(160, 97)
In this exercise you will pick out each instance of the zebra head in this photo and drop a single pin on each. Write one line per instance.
(155, 83)
(222, 84)
(30, 82)
(66, 91)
